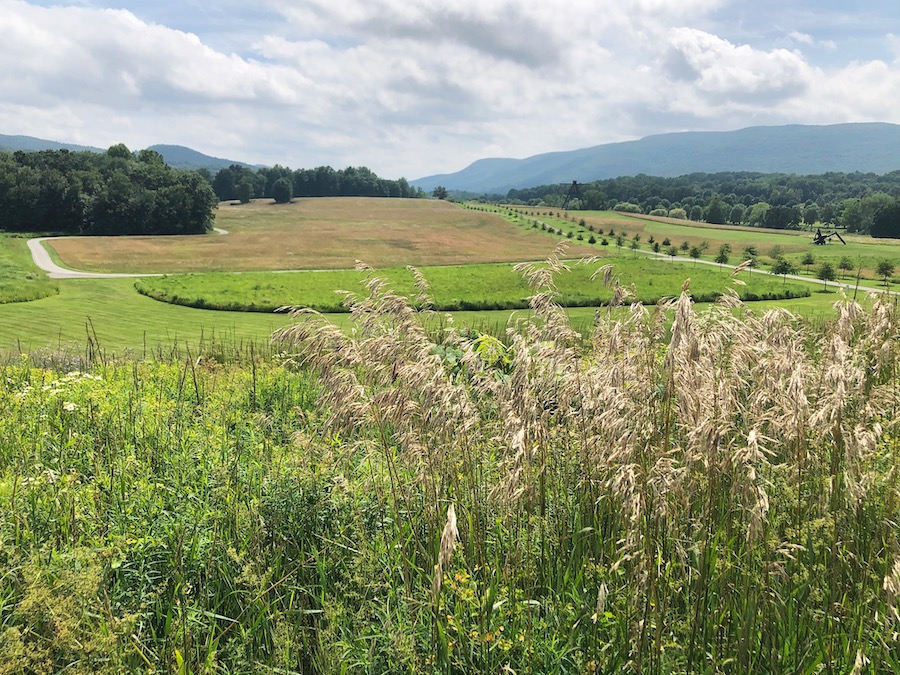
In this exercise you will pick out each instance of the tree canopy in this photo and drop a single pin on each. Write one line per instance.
(116, 192)
(323, 181)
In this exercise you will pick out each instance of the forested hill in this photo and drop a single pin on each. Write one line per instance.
(115, 192)
(799, 149)
(176, 156)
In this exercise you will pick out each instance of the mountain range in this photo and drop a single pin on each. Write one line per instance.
(176, 156)
(800, 149)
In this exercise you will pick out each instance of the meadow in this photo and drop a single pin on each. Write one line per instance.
(678, 491)
(319, 233)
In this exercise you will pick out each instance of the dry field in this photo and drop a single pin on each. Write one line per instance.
(319, 233)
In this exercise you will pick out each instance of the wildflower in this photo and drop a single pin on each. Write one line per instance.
(68, 406)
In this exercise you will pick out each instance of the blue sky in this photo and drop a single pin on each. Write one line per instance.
(413, 87)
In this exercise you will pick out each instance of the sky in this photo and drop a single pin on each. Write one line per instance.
(416, 87)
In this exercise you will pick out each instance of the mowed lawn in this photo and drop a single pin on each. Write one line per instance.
(320, 233)
(469, 287)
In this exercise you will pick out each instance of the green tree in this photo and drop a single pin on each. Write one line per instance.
(736, 217)
(283, 191)
(826, 273)
(697, 213)
(756, 215)
(678, 213)
(722, 256)
(886, 221)
(845, 265)
(807, 260)
(783, 267)
(440, 192)
(885, 269)
(695, 253)
(245, 190)
(858, 215)
(715, 212)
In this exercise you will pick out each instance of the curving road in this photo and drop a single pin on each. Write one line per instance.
(43, 260)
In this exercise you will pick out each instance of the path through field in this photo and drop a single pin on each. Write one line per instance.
(43, 260)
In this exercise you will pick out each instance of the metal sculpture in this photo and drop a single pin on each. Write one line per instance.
(820, 239)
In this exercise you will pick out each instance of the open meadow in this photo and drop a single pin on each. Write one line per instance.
(320, 233)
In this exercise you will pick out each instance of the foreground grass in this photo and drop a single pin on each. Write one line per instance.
(455, 288)
(718, 495)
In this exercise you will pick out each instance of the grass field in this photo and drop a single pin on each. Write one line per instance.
(863, 252)
(455, 288)
(20, 280)
(113, 315)
(322, 233)
(117, 317)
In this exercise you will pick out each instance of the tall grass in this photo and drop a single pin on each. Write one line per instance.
(713, 493)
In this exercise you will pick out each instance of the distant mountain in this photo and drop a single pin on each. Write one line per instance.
(180, 157)
(176, 156)
(799, 149)
(31, 144)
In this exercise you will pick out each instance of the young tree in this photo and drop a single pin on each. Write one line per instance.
(885, 269)
(826, 273)
(695, 253)
(722, 257)
(807, 260)
(783, 267)
(845, 265)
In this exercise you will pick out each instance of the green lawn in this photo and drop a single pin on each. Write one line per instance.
(457, 288)
(20, 280)
(113, 312)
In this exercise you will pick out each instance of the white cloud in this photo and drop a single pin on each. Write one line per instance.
(408, 88)
(715, 66)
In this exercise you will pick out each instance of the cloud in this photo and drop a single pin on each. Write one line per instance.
(716, 67)
(408, 88)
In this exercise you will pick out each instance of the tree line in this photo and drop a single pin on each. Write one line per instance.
(242, 183)
(111, 193)
(860, 202)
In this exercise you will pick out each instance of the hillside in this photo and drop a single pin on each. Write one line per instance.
(867, 147)
(176, 156)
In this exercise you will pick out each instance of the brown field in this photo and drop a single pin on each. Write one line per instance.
(317, 234)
